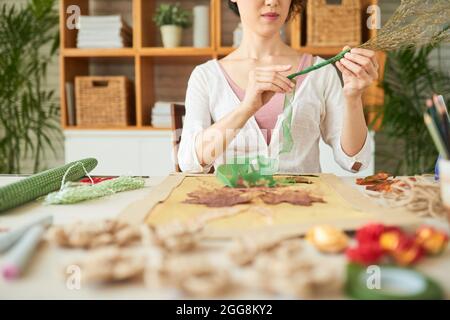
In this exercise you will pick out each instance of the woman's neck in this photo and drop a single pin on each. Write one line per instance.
(254, 46)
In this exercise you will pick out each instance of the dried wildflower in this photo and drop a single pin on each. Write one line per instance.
(227, 197)
(96, 234)
(295, 197)
(417, 194)
(415, 23)
(223, 197)
(178, 236)
(111, 264)
(194, 275)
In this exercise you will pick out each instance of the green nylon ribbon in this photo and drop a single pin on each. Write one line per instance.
(288, 141)
(396, 283)
(248, 172)
(251, 172)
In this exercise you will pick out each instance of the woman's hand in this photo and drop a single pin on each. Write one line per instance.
(359, 70)
(263, 83)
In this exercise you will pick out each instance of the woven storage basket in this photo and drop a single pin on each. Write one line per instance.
(334, 23)
(103, 101)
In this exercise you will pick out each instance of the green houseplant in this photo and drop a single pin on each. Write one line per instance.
(172, 19)
(409, 80)
(29, 114)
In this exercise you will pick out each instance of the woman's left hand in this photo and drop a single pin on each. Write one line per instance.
(359, 69)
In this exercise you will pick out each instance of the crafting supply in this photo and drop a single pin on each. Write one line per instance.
(194, 275)
(419, 195)
(436, 169)
(443, 112)
(248, 172)
(74, 193)
(377, 242)
(41, 184)
(414, 23)
(437, 138)
(97, 234)
(432, 111)
(17, 258)
(439, 99)
(444, 179)
(407, 252)
(111, 264)
(344, 207)
(95, 180)
(327, 239)
(394, 284)
(432, 240)
(288, 142)
(336, 58)
(7, 239)
(289, 269)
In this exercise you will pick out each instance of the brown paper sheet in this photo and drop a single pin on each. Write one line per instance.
(345, 208)
(138, 211)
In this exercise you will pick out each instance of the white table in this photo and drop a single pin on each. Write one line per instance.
(46, 279)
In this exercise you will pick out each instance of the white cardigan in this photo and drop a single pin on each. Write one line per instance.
(318, 112)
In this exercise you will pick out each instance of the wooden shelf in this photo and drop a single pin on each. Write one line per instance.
(100, 128)
(92, 53)
(176, 52)
(320, 51)
(223, 51)
(158, 72)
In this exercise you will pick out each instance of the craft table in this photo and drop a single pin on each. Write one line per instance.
(45, 277)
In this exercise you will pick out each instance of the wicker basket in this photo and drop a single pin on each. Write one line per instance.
(334, 25)
(103, 101)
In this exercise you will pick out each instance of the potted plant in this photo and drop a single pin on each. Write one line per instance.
(172, 19)
(410, 78)
(29, 112)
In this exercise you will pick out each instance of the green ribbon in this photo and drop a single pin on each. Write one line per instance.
(288, 107)
(395, 284)
(250, 172)
(288, 142)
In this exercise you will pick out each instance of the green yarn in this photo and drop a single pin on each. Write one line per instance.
(40, 184)
(72, 193)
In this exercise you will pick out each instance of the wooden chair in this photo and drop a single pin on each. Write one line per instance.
(178, 111)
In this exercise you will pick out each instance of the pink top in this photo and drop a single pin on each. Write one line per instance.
(267, 116)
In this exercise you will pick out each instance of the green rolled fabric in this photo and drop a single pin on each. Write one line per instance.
(40, 184)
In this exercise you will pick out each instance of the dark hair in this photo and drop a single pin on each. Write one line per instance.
(297, 6)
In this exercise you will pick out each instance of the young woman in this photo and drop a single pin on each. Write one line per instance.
(234, 106)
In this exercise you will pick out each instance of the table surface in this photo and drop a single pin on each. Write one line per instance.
(45, 277)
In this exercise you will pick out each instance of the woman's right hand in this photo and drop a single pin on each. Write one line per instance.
(263, 83)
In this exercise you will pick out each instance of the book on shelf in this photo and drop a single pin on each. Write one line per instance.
(70, 101)
(104, 32)
(162, 114)
(89, 22)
